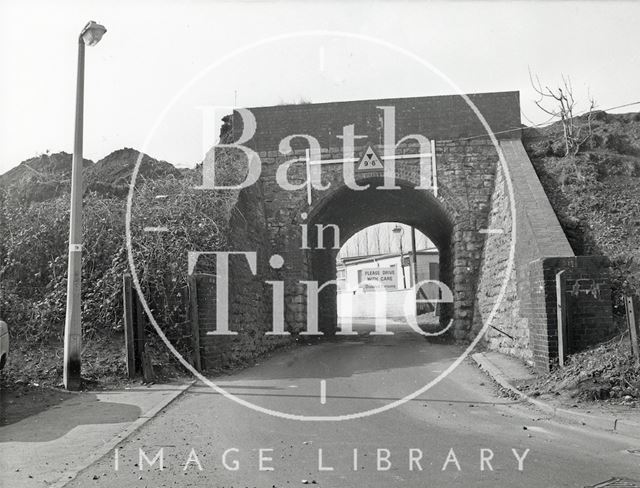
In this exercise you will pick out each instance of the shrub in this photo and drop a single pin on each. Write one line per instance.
(33, 255)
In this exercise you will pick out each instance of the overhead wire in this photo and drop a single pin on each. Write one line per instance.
(539, 125)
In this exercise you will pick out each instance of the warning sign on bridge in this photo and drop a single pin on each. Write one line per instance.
(370, 161)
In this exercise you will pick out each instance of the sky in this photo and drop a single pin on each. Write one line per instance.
(152, 80)
(381, 239)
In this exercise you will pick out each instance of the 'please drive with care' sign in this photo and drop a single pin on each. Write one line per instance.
(385, 276)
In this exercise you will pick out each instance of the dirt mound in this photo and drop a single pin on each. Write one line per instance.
(112, 175)
(49, 175)
(41, 178)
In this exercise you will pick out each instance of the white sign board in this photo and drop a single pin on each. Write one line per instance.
(385, 276)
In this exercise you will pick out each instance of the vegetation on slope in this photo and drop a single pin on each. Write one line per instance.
(33, 258)
(596, 196)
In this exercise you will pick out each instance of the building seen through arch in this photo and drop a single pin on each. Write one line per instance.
(385, 259)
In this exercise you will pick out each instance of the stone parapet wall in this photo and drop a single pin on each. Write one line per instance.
(508, 332)
(250, 297)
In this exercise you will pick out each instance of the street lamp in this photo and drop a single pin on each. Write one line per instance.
(90, 35)
(400, 231)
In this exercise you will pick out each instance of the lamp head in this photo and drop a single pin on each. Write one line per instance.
(397, 229)
(92, 33)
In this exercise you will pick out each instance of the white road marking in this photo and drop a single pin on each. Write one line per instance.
(323, 391)
(156, 229)
(491, 231)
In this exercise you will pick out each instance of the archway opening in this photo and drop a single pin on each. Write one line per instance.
(388, 270)
(342, 214)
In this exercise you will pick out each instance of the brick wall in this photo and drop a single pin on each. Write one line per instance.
(466, 172)
(590, 316)
(440, 117)
(472, 196)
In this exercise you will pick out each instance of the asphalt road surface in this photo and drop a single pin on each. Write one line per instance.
(458, 433)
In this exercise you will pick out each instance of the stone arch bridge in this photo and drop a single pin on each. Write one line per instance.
(456, 193)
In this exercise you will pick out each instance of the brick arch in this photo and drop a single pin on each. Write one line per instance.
(443, 219)
(472, 209)
(448, 201)
(447, 210)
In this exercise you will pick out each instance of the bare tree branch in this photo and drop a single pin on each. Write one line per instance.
(561, 103)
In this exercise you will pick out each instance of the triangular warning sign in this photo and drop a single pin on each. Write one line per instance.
(370, 161)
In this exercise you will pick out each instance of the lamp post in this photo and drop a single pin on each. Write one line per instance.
(90, 35)
(400, 231)
(414, 256)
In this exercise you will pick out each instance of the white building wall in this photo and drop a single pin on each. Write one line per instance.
(358, 302)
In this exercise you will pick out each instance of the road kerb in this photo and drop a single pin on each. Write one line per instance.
(601, 422)
(69, 476)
